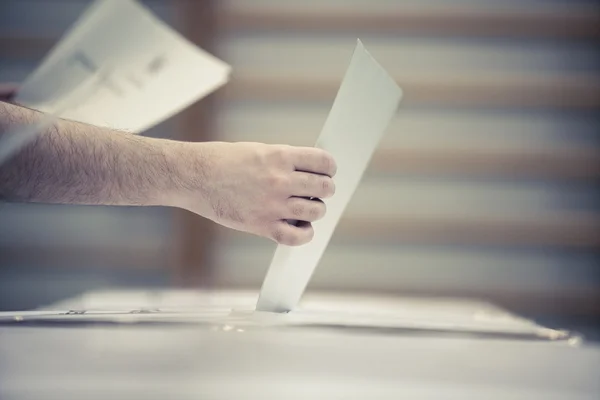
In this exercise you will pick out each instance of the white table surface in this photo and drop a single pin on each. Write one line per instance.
(211, 346)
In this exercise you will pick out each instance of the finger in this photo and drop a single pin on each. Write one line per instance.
(304, 184)
(290, 235)
(318, 161)
(304, 209)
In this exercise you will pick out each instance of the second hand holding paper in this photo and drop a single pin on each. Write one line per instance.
(365, 104)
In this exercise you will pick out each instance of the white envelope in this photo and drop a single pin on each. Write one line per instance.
(365, 104)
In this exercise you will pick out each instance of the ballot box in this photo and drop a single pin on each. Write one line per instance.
(213, 345)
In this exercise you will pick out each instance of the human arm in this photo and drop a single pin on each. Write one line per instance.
(251, 187)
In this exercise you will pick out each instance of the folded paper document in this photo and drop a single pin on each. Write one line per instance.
(121, 67)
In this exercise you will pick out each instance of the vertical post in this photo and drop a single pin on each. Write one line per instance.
(194, 236)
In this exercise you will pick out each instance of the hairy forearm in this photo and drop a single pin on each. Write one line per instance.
(252, 187)
(77, 163)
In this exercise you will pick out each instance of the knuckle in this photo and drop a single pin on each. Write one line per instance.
(317, 212)
(261, 155)
(328, 186)
(308, 153)
(277, 181)
(307, 181)
(329, 164)
(279, 154)
(298, 210)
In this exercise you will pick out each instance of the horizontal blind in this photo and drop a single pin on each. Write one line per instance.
(485, 183)
(72, 237)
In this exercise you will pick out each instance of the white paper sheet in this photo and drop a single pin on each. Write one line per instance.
(130, 70)
(365, 104)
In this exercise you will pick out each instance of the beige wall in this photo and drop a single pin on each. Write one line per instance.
(486, 180)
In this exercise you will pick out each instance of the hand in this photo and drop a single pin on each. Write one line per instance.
(256, 188)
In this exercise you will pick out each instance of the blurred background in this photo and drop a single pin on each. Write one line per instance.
(486, 184)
